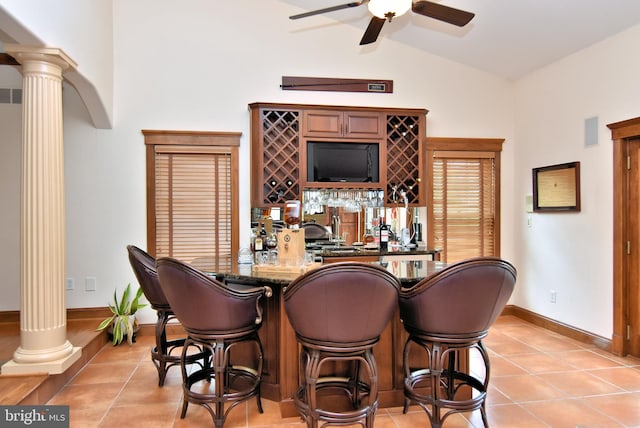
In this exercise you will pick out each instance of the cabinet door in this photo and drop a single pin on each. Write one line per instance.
(363, 125)
(322, 123)
(342, 124)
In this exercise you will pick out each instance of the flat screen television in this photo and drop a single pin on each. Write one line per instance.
(342, 162)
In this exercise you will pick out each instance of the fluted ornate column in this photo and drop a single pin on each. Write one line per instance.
(43, 324)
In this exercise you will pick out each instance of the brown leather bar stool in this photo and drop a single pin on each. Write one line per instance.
(446, 314)
(217, 318)
(338, 312)
(166, 353)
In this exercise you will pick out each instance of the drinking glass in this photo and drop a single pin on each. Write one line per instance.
(309, 258)
(271, 243)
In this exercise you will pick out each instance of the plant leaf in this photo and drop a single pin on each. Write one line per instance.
(125, 304)
(130, 330)
(115, 300)
(117, 332)
(104, 324)
(135, 303)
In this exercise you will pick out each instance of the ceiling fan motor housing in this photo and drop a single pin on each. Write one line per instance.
(389, 8)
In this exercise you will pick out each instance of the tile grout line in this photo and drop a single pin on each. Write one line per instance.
(124, 385)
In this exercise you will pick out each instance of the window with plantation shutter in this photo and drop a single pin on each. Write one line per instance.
(464, 209)
(192, 200)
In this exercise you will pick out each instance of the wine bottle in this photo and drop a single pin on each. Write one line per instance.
(384, 235)
(259, 243)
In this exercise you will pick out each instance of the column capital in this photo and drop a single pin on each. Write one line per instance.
(27, 54)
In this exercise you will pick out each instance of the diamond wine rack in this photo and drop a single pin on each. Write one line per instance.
(403, 159)
(281, 156)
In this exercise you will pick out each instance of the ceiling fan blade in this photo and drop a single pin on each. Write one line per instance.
(442, 13)
(329, 9)
(373, 30)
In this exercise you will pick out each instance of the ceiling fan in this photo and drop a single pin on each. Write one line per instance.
(386, 10)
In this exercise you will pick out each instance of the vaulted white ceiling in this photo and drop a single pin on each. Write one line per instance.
(509, 38)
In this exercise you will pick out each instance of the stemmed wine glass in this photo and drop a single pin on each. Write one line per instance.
(271, 243)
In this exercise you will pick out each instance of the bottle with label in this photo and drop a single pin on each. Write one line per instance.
(259, 244)
(376, 232)
(384, 236)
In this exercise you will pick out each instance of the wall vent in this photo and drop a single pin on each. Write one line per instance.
(16, 96)
(5, 96)
(10, 96)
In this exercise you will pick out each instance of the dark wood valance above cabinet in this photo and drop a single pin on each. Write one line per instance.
(281, 133)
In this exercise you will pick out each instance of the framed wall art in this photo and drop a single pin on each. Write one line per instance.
(556, 188)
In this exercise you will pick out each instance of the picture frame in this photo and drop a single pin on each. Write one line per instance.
(557, 188)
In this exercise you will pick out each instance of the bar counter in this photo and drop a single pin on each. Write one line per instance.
(280, 373)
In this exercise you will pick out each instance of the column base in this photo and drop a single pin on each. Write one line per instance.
(50, 367)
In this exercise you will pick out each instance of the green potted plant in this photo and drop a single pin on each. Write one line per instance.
(123, 321)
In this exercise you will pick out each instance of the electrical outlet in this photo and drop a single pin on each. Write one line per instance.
(70, 284)
(90, 283)
(552, 296)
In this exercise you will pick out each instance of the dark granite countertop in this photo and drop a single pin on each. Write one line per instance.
(408, 272)
(350, 250)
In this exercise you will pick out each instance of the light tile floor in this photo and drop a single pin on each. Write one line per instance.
(538, 379)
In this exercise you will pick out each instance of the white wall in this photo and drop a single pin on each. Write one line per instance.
(83, 30)
(10, 119)
(192, 65)
(572, 252)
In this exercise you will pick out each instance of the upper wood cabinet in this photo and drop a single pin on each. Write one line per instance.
(347, 124)
(280, 134)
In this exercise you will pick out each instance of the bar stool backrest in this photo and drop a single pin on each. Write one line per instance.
(144, 267)
(342, 304)
(463, 299)
(203, 304)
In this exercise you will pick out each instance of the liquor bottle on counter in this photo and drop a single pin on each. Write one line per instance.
(259, 244)
(376, 232)
(384, 235)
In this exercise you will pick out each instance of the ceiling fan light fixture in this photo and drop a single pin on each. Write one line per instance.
(388, 9)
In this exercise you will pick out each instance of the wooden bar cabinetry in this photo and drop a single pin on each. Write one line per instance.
(279, 135)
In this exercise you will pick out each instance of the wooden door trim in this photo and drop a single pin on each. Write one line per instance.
(620, 133)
